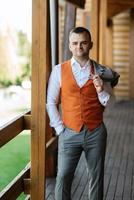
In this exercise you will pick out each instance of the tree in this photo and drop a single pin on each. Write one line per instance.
(24, 52)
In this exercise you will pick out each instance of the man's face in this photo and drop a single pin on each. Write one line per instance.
(80, 44)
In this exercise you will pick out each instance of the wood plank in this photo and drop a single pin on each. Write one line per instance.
(95, 29)
(27, 185)
(123, 2)
(114, 143)
(11, 129)
(16, 187)
(27, 122)
(109, 43)
(51, 159)
(78, 3)
(40, 49)
(102, 31)
(120, 155)
(121, 177)
(70, 18)
(51, 145)
(98, 30)
(129, 166)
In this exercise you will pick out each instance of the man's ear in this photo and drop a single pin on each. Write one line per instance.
(91, 45)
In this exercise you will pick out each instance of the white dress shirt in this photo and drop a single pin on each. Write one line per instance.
(82, 75)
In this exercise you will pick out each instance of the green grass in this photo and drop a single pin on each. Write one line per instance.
(13, 158)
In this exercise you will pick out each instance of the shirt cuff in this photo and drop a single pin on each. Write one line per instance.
(103, 97)
(59, 129)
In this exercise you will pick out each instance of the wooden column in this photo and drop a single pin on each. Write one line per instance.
(102, 31)
(78, 3)
(70, 18)
(109, 44)
(95, 29)
(98, 29)
(51, 159)
(38, 122)
(132, 54)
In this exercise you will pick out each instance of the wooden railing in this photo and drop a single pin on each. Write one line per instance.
(21, 183)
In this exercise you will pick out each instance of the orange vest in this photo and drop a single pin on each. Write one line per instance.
(80, 106)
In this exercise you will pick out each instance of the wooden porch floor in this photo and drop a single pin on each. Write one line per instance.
(119, 163)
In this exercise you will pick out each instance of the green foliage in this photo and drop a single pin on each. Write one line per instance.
(6, 82)
(24, 45)
(24, 56)
(24, 51)
(26, 71)
(18, 81)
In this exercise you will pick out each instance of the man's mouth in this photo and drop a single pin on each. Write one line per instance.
(80, 50)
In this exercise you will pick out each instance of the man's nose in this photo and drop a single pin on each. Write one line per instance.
(79, 45)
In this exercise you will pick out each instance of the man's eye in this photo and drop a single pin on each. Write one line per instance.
(85, 42)
(74, 43)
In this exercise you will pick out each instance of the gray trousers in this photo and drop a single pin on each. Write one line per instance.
(70, 147)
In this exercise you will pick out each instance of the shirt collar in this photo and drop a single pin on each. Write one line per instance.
(74, 63)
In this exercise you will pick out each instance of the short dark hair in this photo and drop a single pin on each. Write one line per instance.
(80, 30)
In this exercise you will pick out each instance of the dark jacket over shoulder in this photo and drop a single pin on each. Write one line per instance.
(106, 73)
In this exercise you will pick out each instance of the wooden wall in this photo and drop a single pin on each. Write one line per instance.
(121, 45)
(61, 28)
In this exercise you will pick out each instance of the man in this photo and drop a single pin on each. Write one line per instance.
(80, 84)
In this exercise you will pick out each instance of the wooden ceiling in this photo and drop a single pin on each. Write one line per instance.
(117, 6)
(78, 3)
(114, 6)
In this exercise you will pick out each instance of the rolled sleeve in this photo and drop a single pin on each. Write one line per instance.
(103, 97)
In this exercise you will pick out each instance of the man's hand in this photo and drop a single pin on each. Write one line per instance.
(98, 83)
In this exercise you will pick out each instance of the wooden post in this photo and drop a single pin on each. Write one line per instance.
(95, 29)
(102, 31)
(131, 53)
(109, 44)
(98, 30)
(38, 122)
(51, 159)
(78, 3)
(70, 18)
